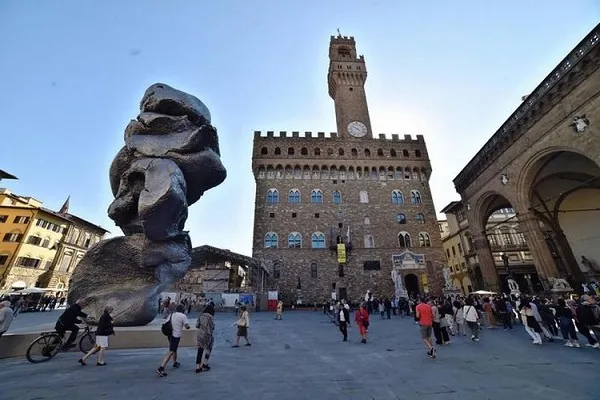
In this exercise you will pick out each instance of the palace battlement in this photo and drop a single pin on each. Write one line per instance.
(332, 135)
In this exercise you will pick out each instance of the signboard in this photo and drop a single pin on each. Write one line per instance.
(273, 295)
(341, 252)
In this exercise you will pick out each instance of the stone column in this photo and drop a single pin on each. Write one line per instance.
(486, 263)
(542, 258)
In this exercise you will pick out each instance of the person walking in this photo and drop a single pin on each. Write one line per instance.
(344, 320)
(564, 316)
(205, 338)
(471, 317)
(279, 315)
(532, 326)
(424, 316)
(178, 321)
(242, 324)
(105, 329)
(361, 317)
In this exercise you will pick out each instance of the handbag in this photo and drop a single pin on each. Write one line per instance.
(167, 327)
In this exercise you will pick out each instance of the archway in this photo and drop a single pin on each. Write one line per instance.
(563, 192)
(506, 253)
(467, 285)
(412, 284)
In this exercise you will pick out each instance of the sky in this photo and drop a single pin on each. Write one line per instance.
(73, 73)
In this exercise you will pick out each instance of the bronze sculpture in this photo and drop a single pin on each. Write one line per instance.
(170, 158)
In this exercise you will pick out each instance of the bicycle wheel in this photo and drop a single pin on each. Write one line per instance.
(87, 342)
(44, 348)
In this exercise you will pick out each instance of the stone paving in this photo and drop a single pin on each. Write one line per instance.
(303, 357)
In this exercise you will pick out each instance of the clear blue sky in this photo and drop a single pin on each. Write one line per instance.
(73, 73)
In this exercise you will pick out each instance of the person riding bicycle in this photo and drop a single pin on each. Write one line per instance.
(67, 321)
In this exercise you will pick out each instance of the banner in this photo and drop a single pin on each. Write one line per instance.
(341, 252)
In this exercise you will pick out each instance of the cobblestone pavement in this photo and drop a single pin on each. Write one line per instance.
(303, 357)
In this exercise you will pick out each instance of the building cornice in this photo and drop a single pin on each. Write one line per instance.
(564, 78)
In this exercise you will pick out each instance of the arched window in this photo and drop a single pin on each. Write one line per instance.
(304, 151)
(290, 151)
(415, 197)
(417, 153)
(424, 240)
(264, 150)
(405, 153)
(367, 153)
(401, 218)
(354, 152)
(369, 242)
(277, 151)
(397, 197)
(271, 240)
(272, 196)
(420, 218)
(314, 272)
(294, 196)
(317, 151)
(392, 153)
(340, 151)
(316, 196)
(294, 240)
(380, 152)
(404, 239)
(337, 197)
(415, 175)
(364, 196)
(318, 240)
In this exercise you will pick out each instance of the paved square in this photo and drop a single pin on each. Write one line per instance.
(303, 357)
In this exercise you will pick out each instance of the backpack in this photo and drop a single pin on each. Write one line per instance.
(167, 327)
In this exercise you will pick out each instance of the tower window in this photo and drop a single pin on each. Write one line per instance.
(277, 151)
(417, 153)
(317, 151)
(367, 153)
(264, 150)
(351, 89)
(304, 151)
(393, 153)
(341, 151)
(380, 152)
(354, 153)
(343, 51)
(291, 151)
(405, 153)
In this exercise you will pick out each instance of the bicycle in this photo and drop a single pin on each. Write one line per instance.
(50, 343)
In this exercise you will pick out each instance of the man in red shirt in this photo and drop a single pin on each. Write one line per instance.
(424, 315)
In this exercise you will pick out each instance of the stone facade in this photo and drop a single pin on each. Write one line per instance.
(360, 191)
(545, 155)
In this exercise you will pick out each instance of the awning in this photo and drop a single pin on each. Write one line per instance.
(19, 285)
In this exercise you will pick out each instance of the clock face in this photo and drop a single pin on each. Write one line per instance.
(357, 129)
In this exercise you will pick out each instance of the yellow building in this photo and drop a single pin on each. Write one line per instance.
(454, 249)
(38, 246)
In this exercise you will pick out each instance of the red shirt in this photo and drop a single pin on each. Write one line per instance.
(361, 316)
(425, 314)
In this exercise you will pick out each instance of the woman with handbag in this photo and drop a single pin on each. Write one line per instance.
(361, 317)
(242, 324)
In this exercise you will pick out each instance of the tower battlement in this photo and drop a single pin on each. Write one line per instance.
(333, 135)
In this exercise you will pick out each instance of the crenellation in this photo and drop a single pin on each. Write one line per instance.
(382, 136)
(321, 135)
(395, 137)
(420, 138)
(408, 138)
(270, 134)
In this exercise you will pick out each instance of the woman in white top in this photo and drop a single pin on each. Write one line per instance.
(471, 316)
(243, 323)
(459, 319)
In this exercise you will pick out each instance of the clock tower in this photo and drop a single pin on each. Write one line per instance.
(346, 79)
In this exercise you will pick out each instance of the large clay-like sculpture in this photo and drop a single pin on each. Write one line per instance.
(170, 158)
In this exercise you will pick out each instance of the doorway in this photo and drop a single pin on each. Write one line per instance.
(412, 284)
(343, 294)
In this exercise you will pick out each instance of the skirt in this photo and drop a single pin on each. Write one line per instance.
(102, 341)
(242, 331)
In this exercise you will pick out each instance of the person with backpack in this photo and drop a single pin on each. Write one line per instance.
(173, 330)
(588, 316)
